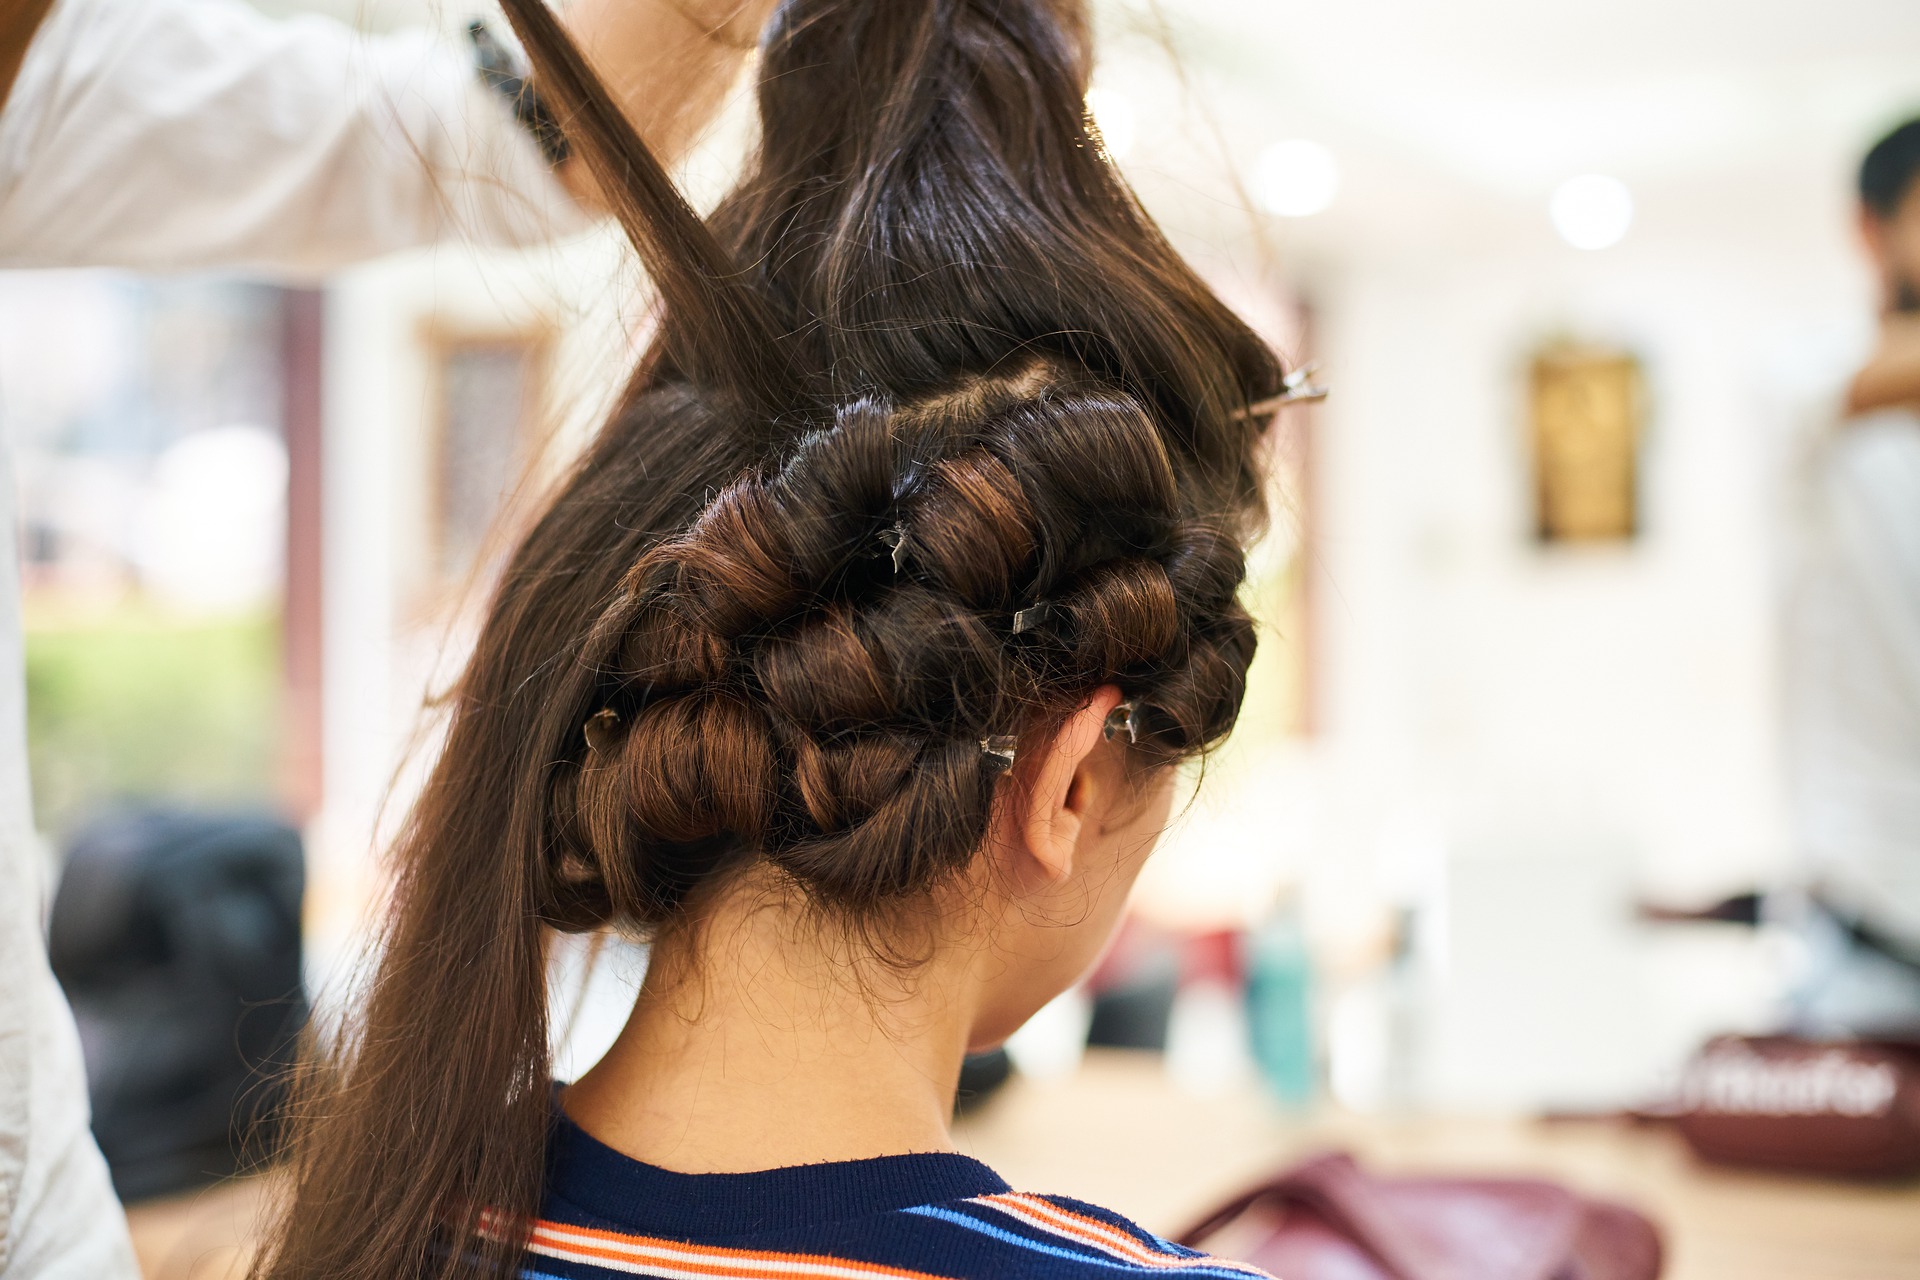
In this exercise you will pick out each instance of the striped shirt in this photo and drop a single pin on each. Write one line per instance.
(911, 1217)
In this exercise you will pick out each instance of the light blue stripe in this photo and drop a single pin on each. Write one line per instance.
(1009, 1237)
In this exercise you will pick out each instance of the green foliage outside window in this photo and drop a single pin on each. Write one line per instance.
(133, 707)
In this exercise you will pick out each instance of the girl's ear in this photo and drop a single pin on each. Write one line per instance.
(1055, 800)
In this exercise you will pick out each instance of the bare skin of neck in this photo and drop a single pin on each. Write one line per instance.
(763, 1038)
(757, 1043)
(1891, 377)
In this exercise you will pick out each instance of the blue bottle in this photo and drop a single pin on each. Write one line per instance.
(1280, 1007)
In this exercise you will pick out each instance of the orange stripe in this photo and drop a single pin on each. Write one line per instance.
(707, 1259)
(763, 1266)
(735, 1271)
(579, 1252)
(688, 1263)
(1091, 1230)
(1088, 1230)
(1120, 1237)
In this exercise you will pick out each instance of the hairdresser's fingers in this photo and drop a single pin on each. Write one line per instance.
(668, 63)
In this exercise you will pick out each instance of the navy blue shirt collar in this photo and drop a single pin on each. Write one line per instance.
(644, 1199)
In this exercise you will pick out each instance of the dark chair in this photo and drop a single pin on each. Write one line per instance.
(177, 938)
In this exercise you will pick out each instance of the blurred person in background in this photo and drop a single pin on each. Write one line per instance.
(171, 134)
(1854, 651)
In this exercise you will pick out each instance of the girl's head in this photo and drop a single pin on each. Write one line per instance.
(905, 568)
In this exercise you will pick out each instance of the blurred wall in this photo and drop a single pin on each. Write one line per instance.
(1515, 741)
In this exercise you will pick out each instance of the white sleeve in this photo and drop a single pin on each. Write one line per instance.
(187, 133)
(58, 1217)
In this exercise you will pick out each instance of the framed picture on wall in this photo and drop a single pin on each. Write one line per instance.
(1587, 407)
(489, 394)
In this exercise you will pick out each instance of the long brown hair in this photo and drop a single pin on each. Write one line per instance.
(937, 435)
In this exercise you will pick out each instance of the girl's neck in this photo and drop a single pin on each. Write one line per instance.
(756, 1044)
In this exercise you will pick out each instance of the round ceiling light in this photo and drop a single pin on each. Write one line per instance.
(1591, 211)
(1296, 178)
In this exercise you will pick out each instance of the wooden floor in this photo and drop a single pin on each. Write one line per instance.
(1117, 1134)
(202, 1235)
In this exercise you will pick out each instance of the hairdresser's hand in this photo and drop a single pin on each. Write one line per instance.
(668, 63)
(1891, 377)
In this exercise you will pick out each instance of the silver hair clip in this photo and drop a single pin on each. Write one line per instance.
(600, 729)
(1296, 388)
(1123, 718)
(1032, 616)
(999, 750)
(895, 537)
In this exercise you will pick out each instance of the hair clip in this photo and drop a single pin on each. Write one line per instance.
(1296, 388)
(1032, 616)
(999, 750)
(1124, 717)
(600, 728)
(895, 537)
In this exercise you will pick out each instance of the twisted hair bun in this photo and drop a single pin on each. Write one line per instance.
(808, 671)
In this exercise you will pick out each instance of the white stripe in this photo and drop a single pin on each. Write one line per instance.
(1103, 1236)
(1037, 1212)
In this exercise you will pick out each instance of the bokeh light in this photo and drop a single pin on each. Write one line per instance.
(1114, 116)
(1592, 211)
(1296, 178)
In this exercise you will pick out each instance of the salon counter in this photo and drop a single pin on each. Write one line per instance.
(1119, 1134)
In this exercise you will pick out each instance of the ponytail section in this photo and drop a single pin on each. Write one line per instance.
(735, 343)
(930, 198)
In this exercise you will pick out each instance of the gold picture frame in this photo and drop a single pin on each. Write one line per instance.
(1587, 407)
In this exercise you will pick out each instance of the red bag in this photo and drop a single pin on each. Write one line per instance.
(1777, 1102)
(1328, 1219)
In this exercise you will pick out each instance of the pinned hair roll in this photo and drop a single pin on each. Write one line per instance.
(937, 435)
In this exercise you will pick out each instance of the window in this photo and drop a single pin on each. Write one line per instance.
(490, 390)
(1587, 409)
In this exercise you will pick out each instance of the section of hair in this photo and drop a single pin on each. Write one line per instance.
(1887, 173)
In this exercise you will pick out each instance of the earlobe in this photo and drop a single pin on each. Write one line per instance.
(1058, 794)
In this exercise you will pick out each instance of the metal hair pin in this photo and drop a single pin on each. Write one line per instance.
(1296, 388)
(1124, 718)
(999, 750)
(1032, 616)
(895, 537)
(600, 729)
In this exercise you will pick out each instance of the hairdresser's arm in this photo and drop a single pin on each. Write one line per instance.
(669, 64)
(18, 22)
(187, 133)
